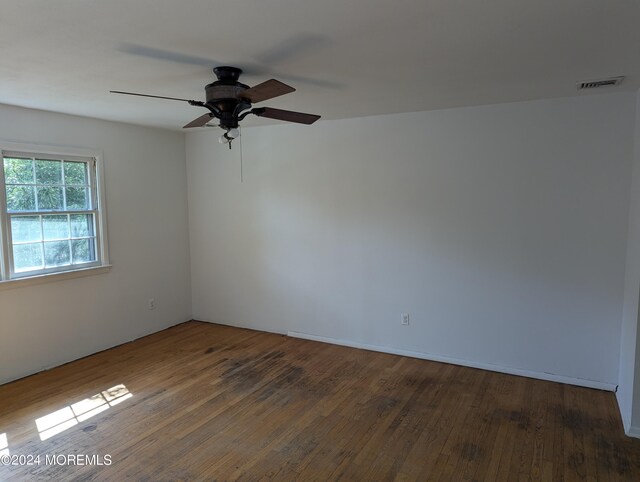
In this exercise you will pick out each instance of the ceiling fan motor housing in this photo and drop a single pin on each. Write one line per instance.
(224, 97)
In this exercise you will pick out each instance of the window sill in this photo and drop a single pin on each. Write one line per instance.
(46, 278)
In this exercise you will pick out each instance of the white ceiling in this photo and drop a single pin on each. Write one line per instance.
(347, 58)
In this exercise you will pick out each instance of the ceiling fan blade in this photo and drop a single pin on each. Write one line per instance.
(266, 90)
(200, 121)
(295, 46)
(171, 56)
(159, 54)
(286, 115)
(325, 84)
(147, 95)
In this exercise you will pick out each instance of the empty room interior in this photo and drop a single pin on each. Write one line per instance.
(295, 240)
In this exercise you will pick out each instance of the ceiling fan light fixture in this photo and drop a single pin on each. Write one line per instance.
(229, 136)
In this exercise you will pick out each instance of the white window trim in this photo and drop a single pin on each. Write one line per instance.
(101, 218)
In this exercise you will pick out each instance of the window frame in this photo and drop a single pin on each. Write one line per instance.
(96, 184)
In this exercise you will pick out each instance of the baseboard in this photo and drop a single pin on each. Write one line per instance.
(80, 357)
(626, 421)
(634, 432)
(244, 326)
(581, 382)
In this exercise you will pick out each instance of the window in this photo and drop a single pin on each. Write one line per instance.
(51, 217)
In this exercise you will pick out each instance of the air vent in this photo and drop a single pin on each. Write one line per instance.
(595, 84)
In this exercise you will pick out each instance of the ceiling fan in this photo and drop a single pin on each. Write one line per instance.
(230, 101)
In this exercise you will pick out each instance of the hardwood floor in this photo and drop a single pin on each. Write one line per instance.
(210, 402)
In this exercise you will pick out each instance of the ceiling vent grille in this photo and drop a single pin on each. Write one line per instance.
(595, 84)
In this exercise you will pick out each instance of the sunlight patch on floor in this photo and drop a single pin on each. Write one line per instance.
(4, 444)
(65, 418)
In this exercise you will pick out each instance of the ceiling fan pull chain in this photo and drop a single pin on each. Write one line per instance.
(241, 174)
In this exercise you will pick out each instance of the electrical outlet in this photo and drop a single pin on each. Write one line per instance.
(152, 303)
(404, 318)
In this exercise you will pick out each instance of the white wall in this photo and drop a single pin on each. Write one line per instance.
(145, 178)
(629, 329)
(500, 229)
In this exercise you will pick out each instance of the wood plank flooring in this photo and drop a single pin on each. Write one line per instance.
(212, 402)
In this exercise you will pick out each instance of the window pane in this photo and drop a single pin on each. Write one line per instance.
(27, 257)
(40, 193)
(77, 198)
(81, 225)
(18, 171)
(83, 250)
(48, 172)
(55, 227)
(75, 172)
(25, 229)
(21, 198)
(56, 253)
(50, 199)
